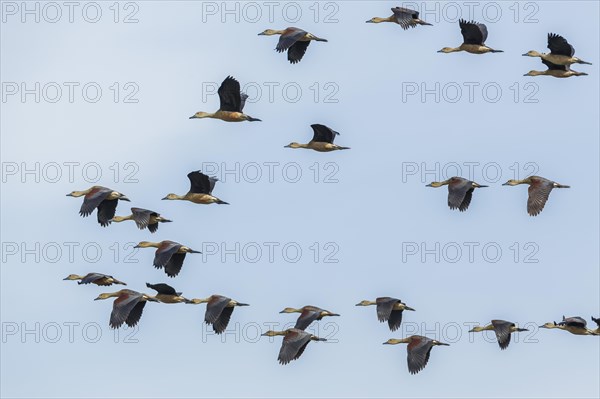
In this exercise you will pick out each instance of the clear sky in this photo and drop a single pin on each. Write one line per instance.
(87, 100)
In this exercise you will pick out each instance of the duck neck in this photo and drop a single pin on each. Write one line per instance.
(378, 20)
(122, 218)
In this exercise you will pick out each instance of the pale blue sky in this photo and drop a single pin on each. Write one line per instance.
(373, 214)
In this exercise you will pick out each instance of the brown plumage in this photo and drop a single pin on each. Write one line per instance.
(169, 255)
(218, 311)
(143, 218)
(308, 314)
(503, 330)
(94, 278)
(293, 40)
(201, 188)
(460, 191)
(294, 343)
(539, 191)
(127, 308)
(102, 198)
(232, 102)
(388, 309)
(404, 17)
(418, 350)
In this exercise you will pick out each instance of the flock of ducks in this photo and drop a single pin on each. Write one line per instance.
(295, 41)
(169, 255)
(129, 305)
(460, 191)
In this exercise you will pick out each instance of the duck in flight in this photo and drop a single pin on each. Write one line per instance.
(388, 309)
(322, 140)
(94, 278)
(218, 311)
(294, 343)
(460, 191)
(127, 308)
(103, 198)
(575, 325)
(308, 314)
(166, 294)
(418, 349)
(557, 71)
(232, 102)
(503, 329)
(143, 218)
(474, 36)
(293, 40)
(561, 52)
(201, 187)
(539, 191)
(169, 255)
(404, 17)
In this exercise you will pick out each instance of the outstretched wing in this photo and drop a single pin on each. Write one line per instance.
(164, 253)
(141, 217)
(502, 329)
(558, 45)
(93, 199)
(457, 192)
(473, 32)
(539, 191)
(289, 38)
(293, 345)
(92, 277)
(306, 318)
(297, 51)
(221, 323)
(405, 17)
(200, 183)
(106, 211)
(418, 354)
(122, 307)
(230, 95)
(385, 305)
(175, 264)
(323, 134)
(162, 288)
(135, 314)
(215, 307)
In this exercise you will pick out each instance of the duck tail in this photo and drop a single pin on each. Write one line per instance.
(251, 119)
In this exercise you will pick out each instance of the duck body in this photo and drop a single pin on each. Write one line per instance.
(200, 192)
(102, 198)
(99, 279)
